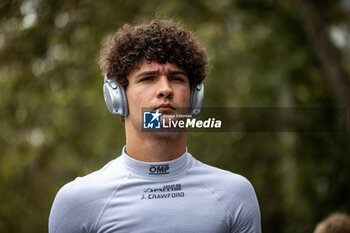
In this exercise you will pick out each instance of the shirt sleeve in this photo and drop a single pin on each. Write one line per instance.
(248, 220)
(71, 212)
(246, 211)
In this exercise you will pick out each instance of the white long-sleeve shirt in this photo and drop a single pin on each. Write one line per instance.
(182, 195)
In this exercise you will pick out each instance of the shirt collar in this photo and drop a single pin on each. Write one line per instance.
(157, 170)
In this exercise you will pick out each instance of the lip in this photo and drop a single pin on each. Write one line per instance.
(164, 107)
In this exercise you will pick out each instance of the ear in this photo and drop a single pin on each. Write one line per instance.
(115, 97)
(196, 99)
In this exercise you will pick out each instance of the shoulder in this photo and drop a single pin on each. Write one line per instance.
(84, 197)
(92, 185)
(234, 192)
(222, 180)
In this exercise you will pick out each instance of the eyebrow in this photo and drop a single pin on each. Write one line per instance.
(173, 72)
(178, 72)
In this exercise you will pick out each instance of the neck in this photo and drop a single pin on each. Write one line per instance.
(154, 147)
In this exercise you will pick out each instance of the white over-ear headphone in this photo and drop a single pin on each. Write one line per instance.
(117, 103)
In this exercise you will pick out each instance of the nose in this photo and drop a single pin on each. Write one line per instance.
(164, 89)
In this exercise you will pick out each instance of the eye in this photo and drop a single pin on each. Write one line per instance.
(145, 79)
(178, 78)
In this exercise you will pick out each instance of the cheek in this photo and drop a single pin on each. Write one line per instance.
(185, 95)
(138, 98)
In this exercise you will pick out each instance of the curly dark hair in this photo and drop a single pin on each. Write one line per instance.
(160, 40)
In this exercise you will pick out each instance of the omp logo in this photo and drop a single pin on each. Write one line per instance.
(159, 169)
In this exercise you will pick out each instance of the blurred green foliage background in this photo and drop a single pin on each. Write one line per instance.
(54, 125)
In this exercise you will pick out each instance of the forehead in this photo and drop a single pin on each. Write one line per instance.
(145, 66)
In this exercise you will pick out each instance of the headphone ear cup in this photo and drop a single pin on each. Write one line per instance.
(115, 97)
(196, 99)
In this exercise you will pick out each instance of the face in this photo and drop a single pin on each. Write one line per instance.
(163, 87)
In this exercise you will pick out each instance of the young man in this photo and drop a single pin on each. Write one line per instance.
(155, 185)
